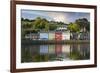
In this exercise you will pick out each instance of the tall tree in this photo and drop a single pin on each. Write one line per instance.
(36, 23)
(73, 27)
(83, 24)
(40, 24)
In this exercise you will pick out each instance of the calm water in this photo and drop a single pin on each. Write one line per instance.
(57, 52)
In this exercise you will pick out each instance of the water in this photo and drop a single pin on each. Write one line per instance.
(55, 52)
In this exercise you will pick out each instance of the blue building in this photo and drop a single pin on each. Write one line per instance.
(43, 36)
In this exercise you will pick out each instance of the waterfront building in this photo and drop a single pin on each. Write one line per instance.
(66, 35)
(43, 36)
(32, 36)
(51, 35)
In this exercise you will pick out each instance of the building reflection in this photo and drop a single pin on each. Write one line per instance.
(57, 52)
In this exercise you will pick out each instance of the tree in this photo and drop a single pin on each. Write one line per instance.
(40, 24)
(46, 27)
(36, 23)
(73, 27)
(83, 23)
(88, 26)
(52, 26)
(22, 19)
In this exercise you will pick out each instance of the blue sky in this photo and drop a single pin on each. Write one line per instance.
(65, 17)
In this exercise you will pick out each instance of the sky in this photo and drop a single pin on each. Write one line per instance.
(65, 17)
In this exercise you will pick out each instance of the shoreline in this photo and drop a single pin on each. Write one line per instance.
(30, 42)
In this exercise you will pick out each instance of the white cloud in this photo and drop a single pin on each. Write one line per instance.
(58, 16)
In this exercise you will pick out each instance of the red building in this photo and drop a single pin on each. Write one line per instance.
(58, 36)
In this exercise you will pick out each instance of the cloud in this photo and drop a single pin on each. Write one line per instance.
(65, 17)
(58, 16)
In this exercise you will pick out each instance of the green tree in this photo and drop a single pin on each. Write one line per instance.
(83, 23)
(73, 27)
(46, 27)
(22, 19)
(40, 24)
(52, 27)
(36, 23)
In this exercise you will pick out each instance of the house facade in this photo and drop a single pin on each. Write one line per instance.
(80, 36)
(58, 36)
(51, 35)
(43, 36)
(32, 36)
(66, 35)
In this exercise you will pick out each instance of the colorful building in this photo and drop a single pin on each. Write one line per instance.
(84, 36)
(66, 35)
(51, 35)
(32, 36)
(43, 36)
(55, 35)
(58, 36)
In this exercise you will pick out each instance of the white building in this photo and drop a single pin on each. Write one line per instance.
(32, 36)
(63, 28)
(51, 35)
(66, 35)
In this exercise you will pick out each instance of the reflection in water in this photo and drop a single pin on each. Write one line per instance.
(57, 52)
